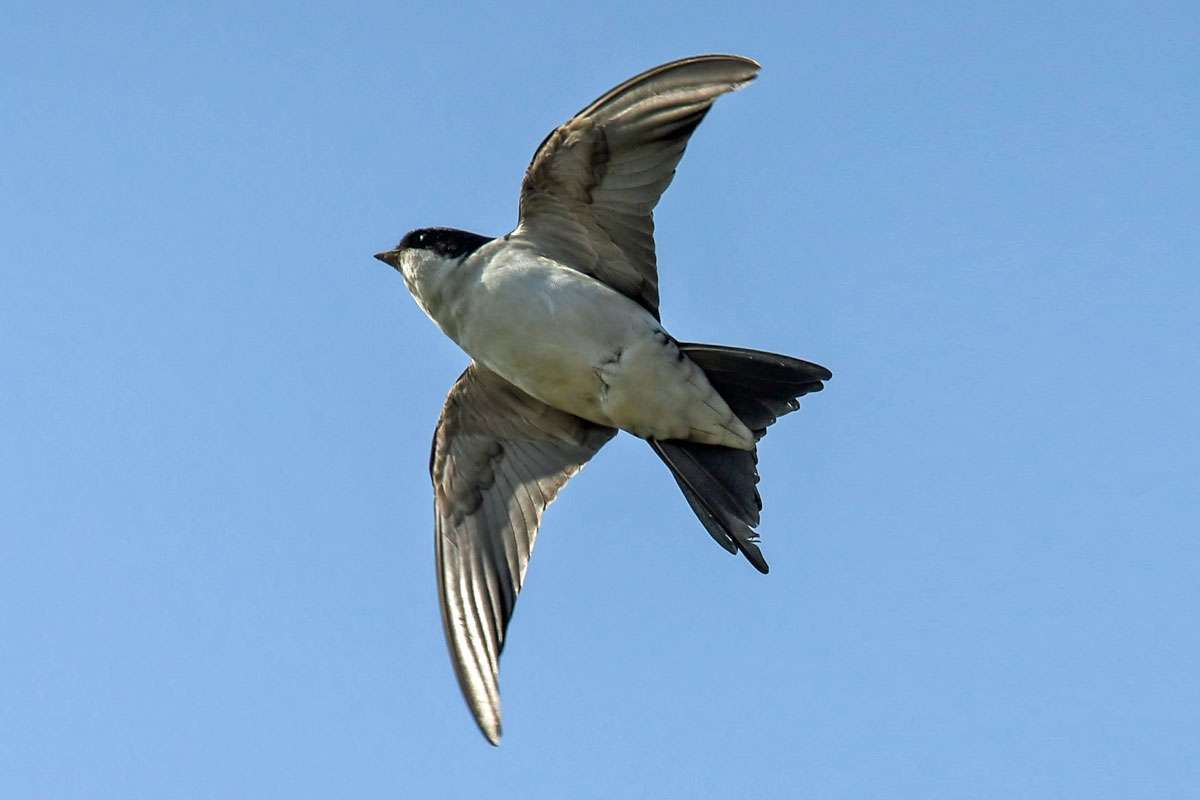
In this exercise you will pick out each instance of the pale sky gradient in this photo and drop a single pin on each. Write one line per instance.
(216, 547)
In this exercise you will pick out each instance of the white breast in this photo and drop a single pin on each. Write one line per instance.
(584, 348)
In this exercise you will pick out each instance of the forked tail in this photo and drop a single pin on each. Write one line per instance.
(720, 483)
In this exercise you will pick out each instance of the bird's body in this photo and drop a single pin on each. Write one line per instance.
(580, 347)
(561, 320)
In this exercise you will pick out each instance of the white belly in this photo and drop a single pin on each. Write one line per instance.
(578, 345)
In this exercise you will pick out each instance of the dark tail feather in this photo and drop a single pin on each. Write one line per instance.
(720, 483)
(759, 387)
(728, 512)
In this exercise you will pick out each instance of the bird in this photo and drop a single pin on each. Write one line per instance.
(560, 318)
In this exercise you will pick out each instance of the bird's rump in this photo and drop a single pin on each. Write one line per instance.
(721, 483)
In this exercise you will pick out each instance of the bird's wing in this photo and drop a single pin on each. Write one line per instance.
(499, 458)
(589, 194)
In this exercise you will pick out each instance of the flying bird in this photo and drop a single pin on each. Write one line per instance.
(561, 320)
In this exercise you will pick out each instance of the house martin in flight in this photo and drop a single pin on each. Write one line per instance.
(560, 318)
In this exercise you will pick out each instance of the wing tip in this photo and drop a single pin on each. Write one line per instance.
(745, 60)
(737, 83)
(487, 717)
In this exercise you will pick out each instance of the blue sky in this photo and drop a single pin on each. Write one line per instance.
(216, 560)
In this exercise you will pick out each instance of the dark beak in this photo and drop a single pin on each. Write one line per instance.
(388, 257)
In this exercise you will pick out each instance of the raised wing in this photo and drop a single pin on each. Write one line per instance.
(499, 458)
(589, 194)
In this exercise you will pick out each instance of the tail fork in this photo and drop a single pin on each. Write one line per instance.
(720, 483)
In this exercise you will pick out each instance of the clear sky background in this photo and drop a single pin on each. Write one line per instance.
(216, 547)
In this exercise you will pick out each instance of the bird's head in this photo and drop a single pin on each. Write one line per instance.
(431, 248)
(426, 257)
